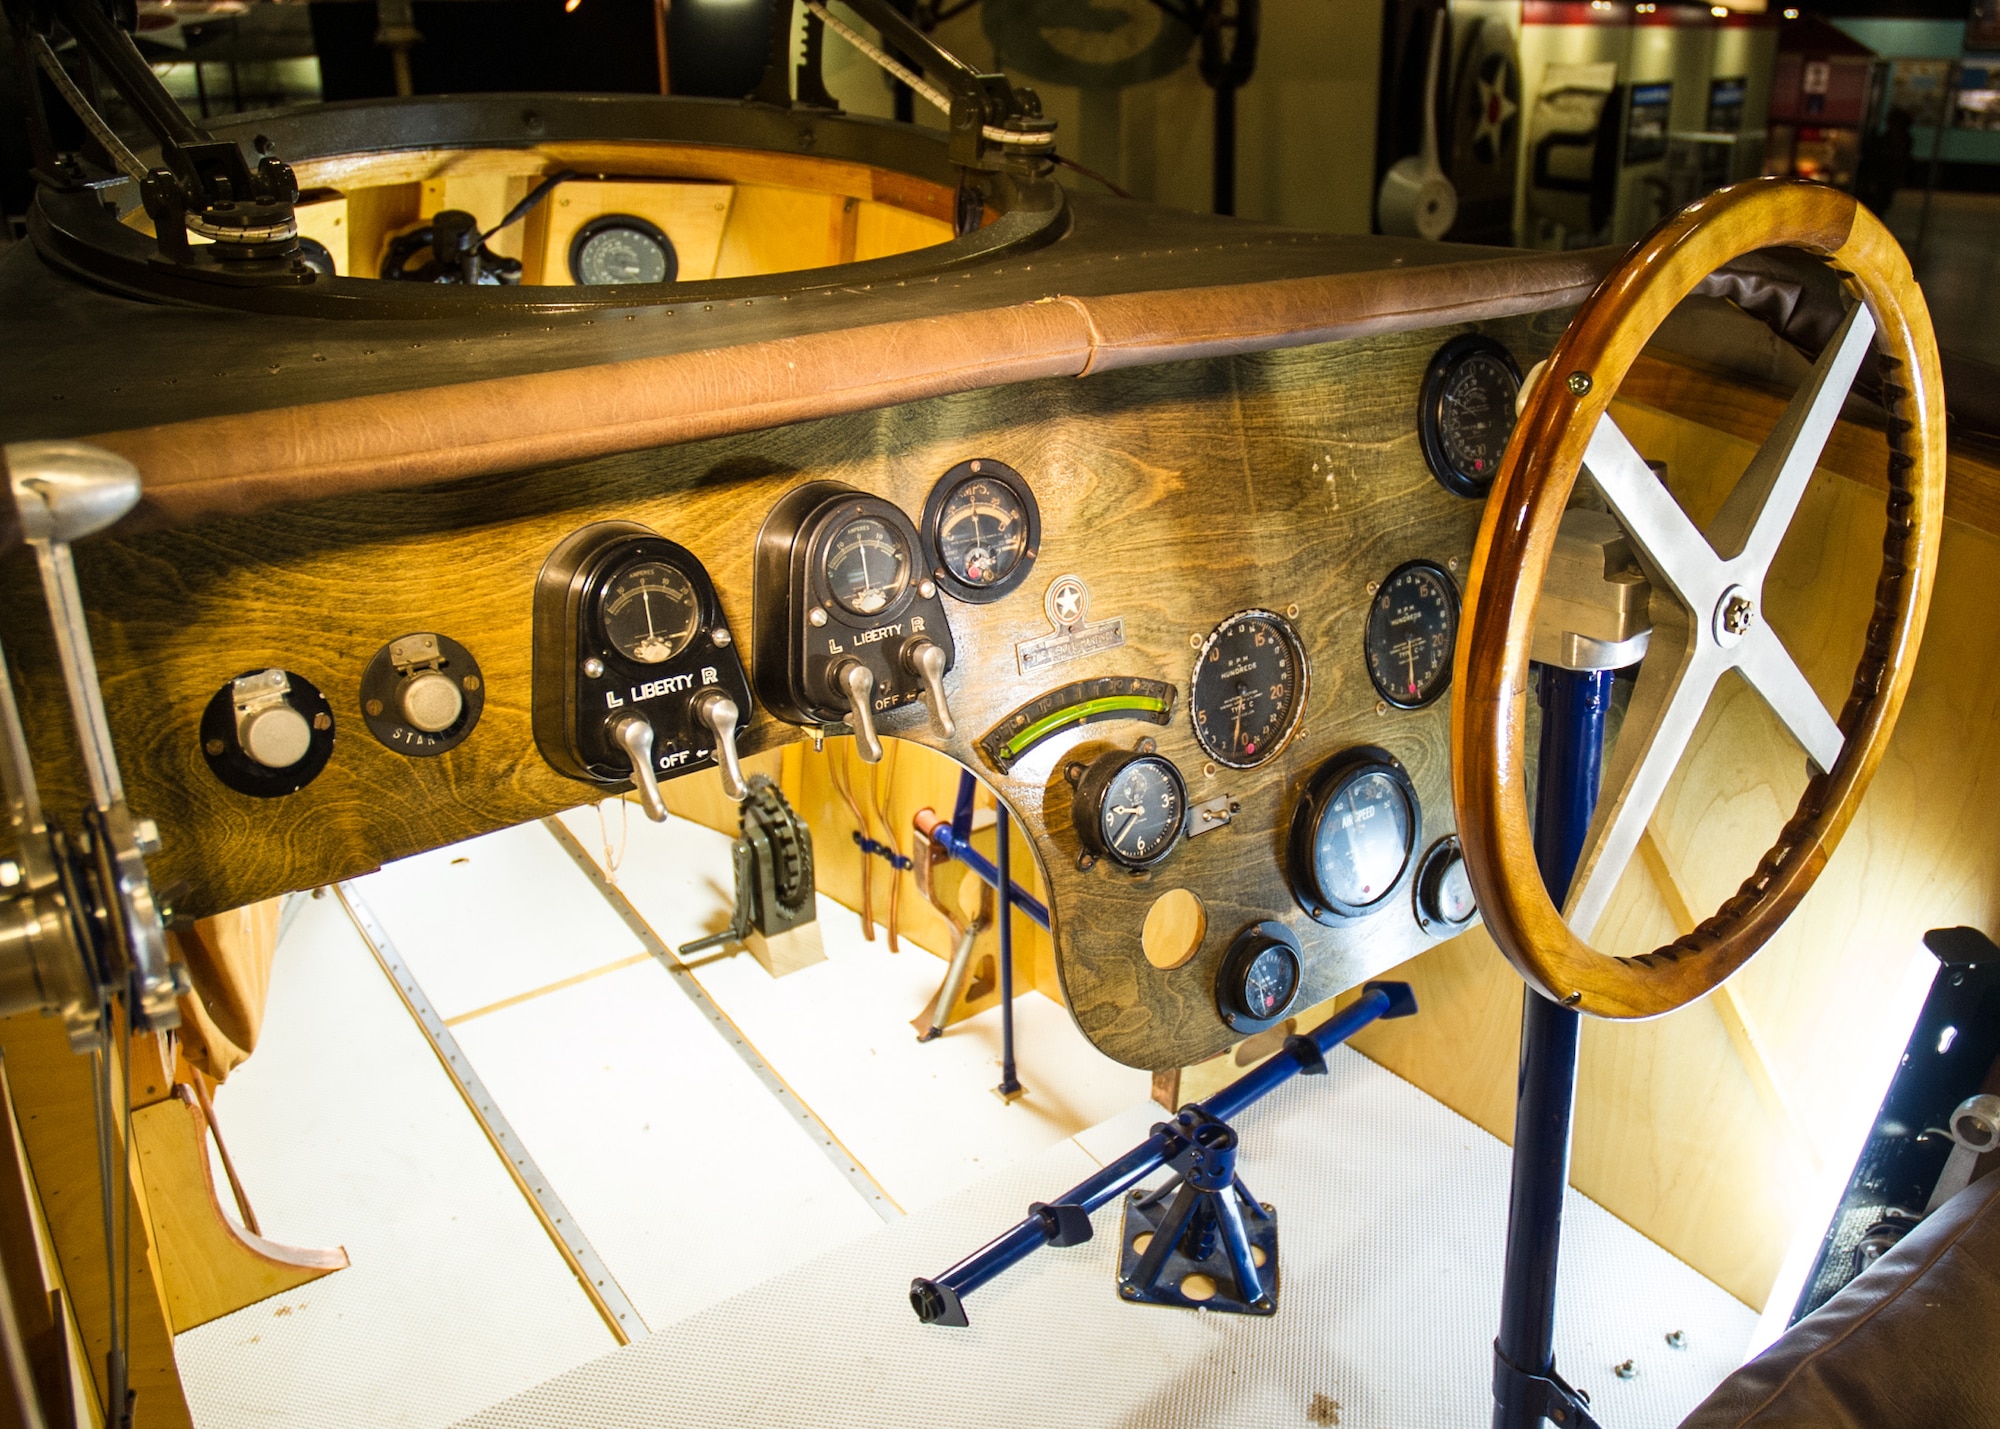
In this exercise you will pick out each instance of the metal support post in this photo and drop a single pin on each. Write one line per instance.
(1526, 1388)
(1010, 1085)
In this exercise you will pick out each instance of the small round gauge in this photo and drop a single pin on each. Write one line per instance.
(867, 565)
(649, 612)
(316, 256)
(622, 248)
(1445, 901)
(1353, 835)
(1412, 631)
(982, 529)
(1466, 412)
(1260, 977)
(1129, 808)
(1249, 688)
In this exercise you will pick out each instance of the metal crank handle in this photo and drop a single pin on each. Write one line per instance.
(634, 734)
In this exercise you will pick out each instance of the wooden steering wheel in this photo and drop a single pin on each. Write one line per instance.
(1716, 577)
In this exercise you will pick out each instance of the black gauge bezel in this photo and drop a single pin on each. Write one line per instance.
(600, 601)
(1431, 867)
(604, 222)
(647, 551)
(1093, 784)
(979, 469)
(1400, 701)
(1304, 667)
(832, 518)
(1250, 945)
(1430, 410)
(1324, 787)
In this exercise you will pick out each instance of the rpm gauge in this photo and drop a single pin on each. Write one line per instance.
(982, 529)
(867, 565)
(1466, 412)
(1412, 629)
(1249, 688)
(649, 612)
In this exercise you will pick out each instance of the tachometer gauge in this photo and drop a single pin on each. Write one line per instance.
(1249, 688)
(867, 565)
(1130, 808)
(1353, 835)
(649, 612)
(622, 248)
(982, 529)
(1412, 630)
(1466, 412)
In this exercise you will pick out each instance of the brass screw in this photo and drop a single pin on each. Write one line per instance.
(214, 747)
(1579, 383)
(374, 707)
(322, 721)
(471, 682)
(1194, 642)
(1291, 612)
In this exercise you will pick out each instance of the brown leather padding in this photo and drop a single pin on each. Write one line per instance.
(236, 465)
(1909, 1344)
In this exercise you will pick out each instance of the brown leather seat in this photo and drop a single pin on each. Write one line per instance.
(1910, 1342)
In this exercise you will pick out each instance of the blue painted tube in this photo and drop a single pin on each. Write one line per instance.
(1003, 882)
(1574, 705)
(955, 845)
(940, 1301)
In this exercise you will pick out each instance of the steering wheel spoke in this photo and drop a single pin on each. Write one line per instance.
(1774, 674)
(1670, 542)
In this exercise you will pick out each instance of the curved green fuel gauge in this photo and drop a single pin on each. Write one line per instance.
(1084, 702)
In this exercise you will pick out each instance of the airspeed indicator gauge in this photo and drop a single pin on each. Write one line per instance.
(1353, 835)
(650, 612)
(982, 530)
(1248, 689)
(1412, 630)
(1466, 412)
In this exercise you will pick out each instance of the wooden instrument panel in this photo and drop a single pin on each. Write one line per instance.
(1180, 493)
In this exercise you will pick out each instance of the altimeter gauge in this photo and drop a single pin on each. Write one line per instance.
(1412, 632)
(1248, 689)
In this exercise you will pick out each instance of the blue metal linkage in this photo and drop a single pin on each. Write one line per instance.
(1526, 1388)
(1067, 1221)
(954, 840)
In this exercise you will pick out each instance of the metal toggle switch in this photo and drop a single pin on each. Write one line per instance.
(926, 660)
(717, 711)
(634, 734)
(857, 682)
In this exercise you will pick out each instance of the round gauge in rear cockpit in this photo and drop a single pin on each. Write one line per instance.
(649, 612)
(1249, 688)
(1466, 412)
(622, 248)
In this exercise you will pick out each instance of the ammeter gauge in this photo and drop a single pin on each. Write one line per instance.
(1466, 412)
(650, 612)
(1248, 689)
(866, 565)
(1412, 631)
(1130, 808)
(1353, 835)
(982, 530)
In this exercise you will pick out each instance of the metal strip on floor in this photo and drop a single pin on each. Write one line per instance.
(595, 1278)
(843, 1160)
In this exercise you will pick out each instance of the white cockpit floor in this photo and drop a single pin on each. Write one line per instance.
(781, 1293)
